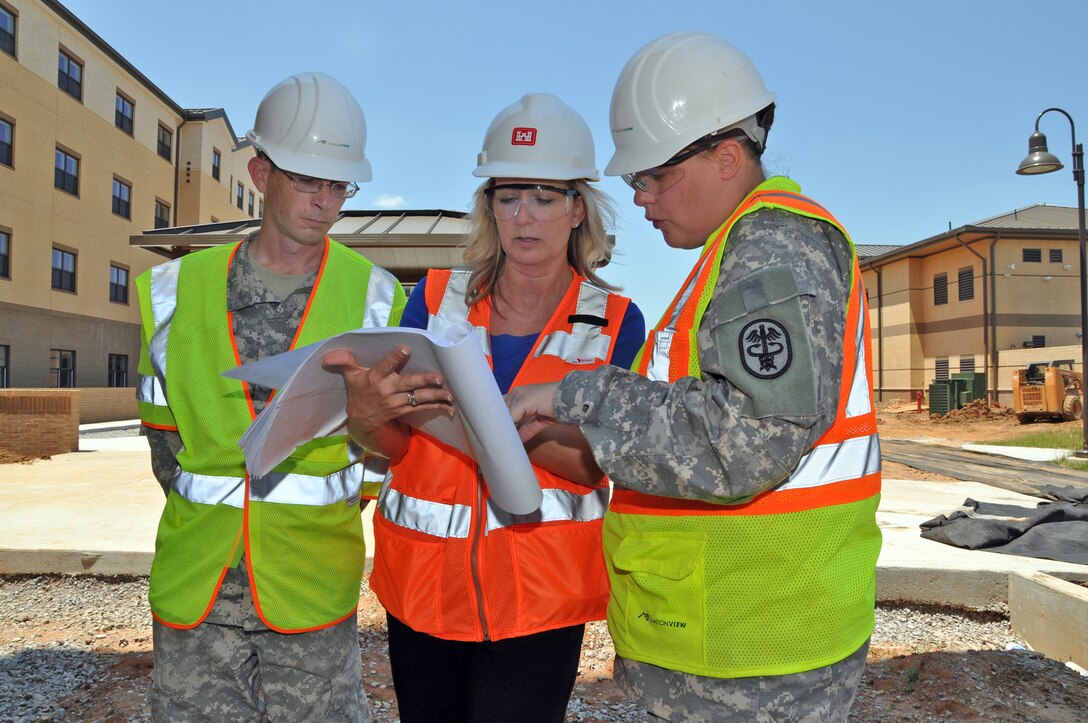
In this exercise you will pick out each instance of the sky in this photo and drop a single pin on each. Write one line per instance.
(904, 119)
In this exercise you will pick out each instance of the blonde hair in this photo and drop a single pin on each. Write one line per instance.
(587, 250)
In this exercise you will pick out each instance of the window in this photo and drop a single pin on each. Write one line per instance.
(5, 254)
(64, 270)
(240, 196)
(940, 368)
(7, 32)
(940, 289)
(1055, 255)
(70, 75)
(166, 142)
(967, 364)
(1038, 341)
(250, 206)
(122, 115)
(216, 162)
(62, 368)
(967, 283)
(66, 172)
(7, 142)
(162, 214)
(1033, 256)
(118, 371)
(122, 198)
(5, 364)
(262, 208)
(118, 284)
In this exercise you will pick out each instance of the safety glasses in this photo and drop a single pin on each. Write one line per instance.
(306, 184)
(541, 202)
(661, 178)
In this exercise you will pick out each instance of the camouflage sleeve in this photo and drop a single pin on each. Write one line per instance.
(770, 349)
(165, 446)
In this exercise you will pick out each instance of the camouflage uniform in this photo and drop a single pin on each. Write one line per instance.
(732, 434)
(231, 666)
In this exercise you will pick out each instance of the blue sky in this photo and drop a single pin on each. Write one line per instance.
(902, 118)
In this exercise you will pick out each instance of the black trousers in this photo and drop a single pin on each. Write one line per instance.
(527, 679)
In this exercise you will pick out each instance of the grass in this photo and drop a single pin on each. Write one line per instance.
(1067, 437)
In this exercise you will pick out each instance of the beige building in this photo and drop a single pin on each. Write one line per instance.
(989, 297)
(125, 157)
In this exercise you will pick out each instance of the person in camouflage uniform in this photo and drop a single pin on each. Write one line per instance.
(254, 600)
(741, 537)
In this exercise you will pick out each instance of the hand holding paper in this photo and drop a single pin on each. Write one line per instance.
(310, 402)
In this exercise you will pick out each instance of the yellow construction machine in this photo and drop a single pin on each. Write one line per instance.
(1048, 390)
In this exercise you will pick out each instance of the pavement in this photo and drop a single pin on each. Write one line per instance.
(96, 510)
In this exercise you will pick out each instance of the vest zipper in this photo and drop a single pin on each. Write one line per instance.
(477, 533)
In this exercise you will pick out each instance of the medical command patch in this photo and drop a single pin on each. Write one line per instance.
(765, 349)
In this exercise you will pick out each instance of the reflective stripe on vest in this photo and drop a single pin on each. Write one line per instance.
(580, 345)
(449, 521)
(164, 300)
(291, 489)
(380, 293)
(453, 311)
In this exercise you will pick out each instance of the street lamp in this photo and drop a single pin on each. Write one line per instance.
(1041, 160)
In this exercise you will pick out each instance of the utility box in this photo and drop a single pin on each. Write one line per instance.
(940, 397)
(976, 383)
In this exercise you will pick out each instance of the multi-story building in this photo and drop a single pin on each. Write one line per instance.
(92, 152)
(989, 297)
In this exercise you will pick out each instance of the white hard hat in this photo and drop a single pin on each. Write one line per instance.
(677, 89)
(540, 136)
(312, 125)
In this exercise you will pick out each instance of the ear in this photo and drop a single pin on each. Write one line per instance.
(579, 213)
(259, 171)
(731, 158)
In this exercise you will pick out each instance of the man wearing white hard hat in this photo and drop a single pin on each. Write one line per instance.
(255, 581)
(741, 538)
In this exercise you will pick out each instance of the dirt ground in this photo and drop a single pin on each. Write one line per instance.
(922, 682)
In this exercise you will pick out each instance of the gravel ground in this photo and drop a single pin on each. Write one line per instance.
(60, 634)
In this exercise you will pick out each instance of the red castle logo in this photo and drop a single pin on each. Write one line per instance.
(523, 137)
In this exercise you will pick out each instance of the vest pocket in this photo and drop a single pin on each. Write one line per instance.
(658, 581)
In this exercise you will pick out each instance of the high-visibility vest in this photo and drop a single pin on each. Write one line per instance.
(785, 582)
(299, 526)
(449, 562)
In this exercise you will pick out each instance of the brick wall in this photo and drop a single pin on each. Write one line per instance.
(105, 404)
(38, 422)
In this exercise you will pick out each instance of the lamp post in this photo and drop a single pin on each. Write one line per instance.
(1040, 160)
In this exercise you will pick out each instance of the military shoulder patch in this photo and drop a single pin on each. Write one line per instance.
(765, 350)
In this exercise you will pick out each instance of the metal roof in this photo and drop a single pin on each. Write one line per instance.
(406, 242)
(1039, 216)
(1038, 221)
(868, 251)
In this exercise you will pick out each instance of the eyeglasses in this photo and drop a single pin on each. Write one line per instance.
(661, 178)
(542, 203)
(306, 184)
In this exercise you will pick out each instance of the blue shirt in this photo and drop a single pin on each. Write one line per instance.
(509, 351)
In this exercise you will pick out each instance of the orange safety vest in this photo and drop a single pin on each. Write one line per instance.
(798, 559)
(450, 563)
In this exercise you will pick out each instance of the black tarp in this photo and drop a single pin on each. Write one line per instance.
(1056, 529)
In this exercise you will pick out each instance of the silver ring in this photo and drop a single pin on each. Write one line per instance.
(412, 401)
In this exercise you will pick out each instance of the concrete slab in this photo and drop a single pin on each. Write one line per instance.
(1031, 454)
(96, 511)
(1051, 615)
